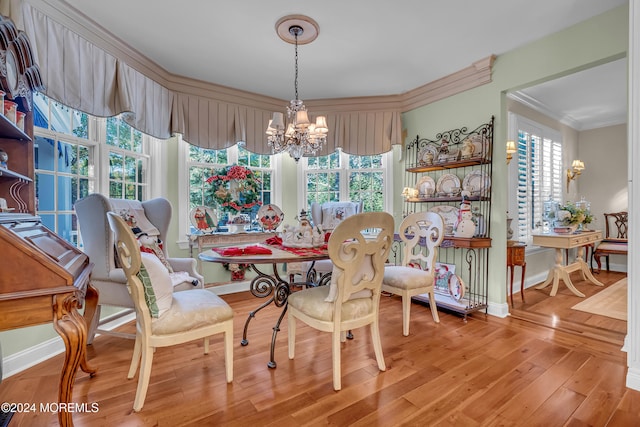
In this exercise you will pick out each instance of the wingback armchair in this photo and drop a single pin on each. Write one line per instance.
(152, 217)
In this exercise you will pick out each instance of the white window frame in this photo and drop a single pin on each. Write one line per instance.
(387, 175)
(183, 185)
(522, 230)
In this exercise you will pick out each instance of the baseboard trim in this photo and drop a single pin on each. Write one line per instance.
(31, 356)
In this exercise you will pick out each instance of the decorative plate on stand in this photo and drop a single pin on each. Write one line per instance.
(269, 217)
(203, 219)
(450, 216)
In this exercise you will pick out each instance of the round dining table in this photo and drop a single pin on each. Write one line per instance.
(269, 284)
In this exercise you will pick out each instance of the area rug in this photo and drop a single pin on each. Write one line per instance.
(611, 302)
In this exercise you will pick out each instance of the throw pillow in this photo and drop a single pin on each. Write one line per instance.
(333, 215)
(157, 284)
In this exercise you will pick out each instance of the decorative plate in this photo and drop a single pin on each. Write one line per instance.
(450, 216)
(427, 155)
(203, 219)
(426, 187)
(269, 217)
(447, 184)
(477, 183)
(456, 287)
(479, 150)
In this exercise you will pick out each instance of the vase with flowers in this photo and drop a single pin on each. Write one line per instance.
(569, 218)
(236, 190)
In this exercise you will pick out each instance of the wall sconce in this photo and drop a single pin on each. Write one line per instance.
(576, 169)
(511, 150)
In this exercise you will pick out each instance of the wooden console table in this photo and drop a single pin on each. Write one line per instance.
(211, 240)
(516, 256)
(559, 271)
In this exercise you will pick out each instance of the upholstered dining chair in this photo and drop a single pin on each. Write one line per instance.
(326, 216)
(421, 234)
(163, 317)
(353, 297)
(151, 217)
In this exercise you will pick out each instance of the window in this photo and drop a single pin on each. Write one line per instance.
(539, 175)
(201, 162)
(69, 146)
(340, 176)
(127, 164)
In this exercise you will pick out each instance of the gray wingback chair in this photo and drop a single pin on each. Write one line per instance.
(98, 240)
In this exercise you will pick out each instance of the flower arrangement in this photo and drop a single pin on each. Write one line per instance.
(235, 188)
(569, 214)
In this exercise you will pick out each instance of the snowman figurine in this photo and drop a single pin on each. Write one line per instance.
(465, 227)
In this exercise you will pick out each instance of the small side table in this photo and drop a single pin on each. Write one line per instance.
(515, 256)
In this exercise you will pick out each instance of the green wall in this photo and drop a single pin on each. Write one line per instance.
(601, 39)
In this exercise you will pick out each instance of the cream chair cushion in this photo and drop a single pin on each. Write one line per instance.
(314, 303)
(406, 277)
(158, 288)
(191, 310)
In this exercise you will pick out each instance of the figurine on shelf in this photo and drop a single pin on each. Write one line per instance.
(4, 158)
(465, 227)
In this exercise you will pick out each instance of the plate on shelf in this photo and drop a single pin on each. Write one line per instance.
(456, 287)
(477, 183)
(427, 155)
(450, 216)
(426, 187)
(203, 219)
(478, 150)
(448, 184)
(269, 217)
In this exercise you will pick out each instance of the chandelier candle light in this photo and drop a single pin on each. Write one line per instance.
(300, 137)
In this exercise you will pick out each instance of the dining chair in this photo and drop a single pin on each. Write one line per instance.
(421, 234)
(163, 317)
(327, 216)
(615, 241)
(353, 297)
(152, 217)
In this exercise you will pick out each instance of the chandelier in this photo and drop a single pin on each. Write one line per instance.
(300, 137)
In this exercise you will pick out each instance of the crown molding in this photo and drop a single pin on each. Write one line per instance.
(477, 74)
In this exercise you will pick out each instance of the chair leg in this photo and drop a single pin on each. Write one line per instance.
(135, 359)
(143, 378)
(206, 345)
(228, 351)
(91, 330)
(292, 334)
(335, 356)
(406, 314)
(433, 306)
(377, 345)
(598, 262)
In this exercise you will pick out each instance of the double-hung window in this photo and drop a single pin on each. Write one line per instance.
(77, 154)
(201, 163)
(538, 177)
(340, 177)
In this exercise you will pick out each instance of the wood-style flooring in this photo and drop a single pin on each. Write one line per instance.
(486, 372)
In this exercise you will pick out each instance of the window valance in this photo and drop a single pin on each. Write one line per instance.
(83, 75)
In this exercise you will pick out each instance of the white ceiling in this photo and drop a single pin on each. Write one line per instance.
(365, 47)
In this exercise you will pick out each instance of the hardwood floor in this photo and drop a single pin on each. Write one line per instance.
(486, 372)
(556, 312)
